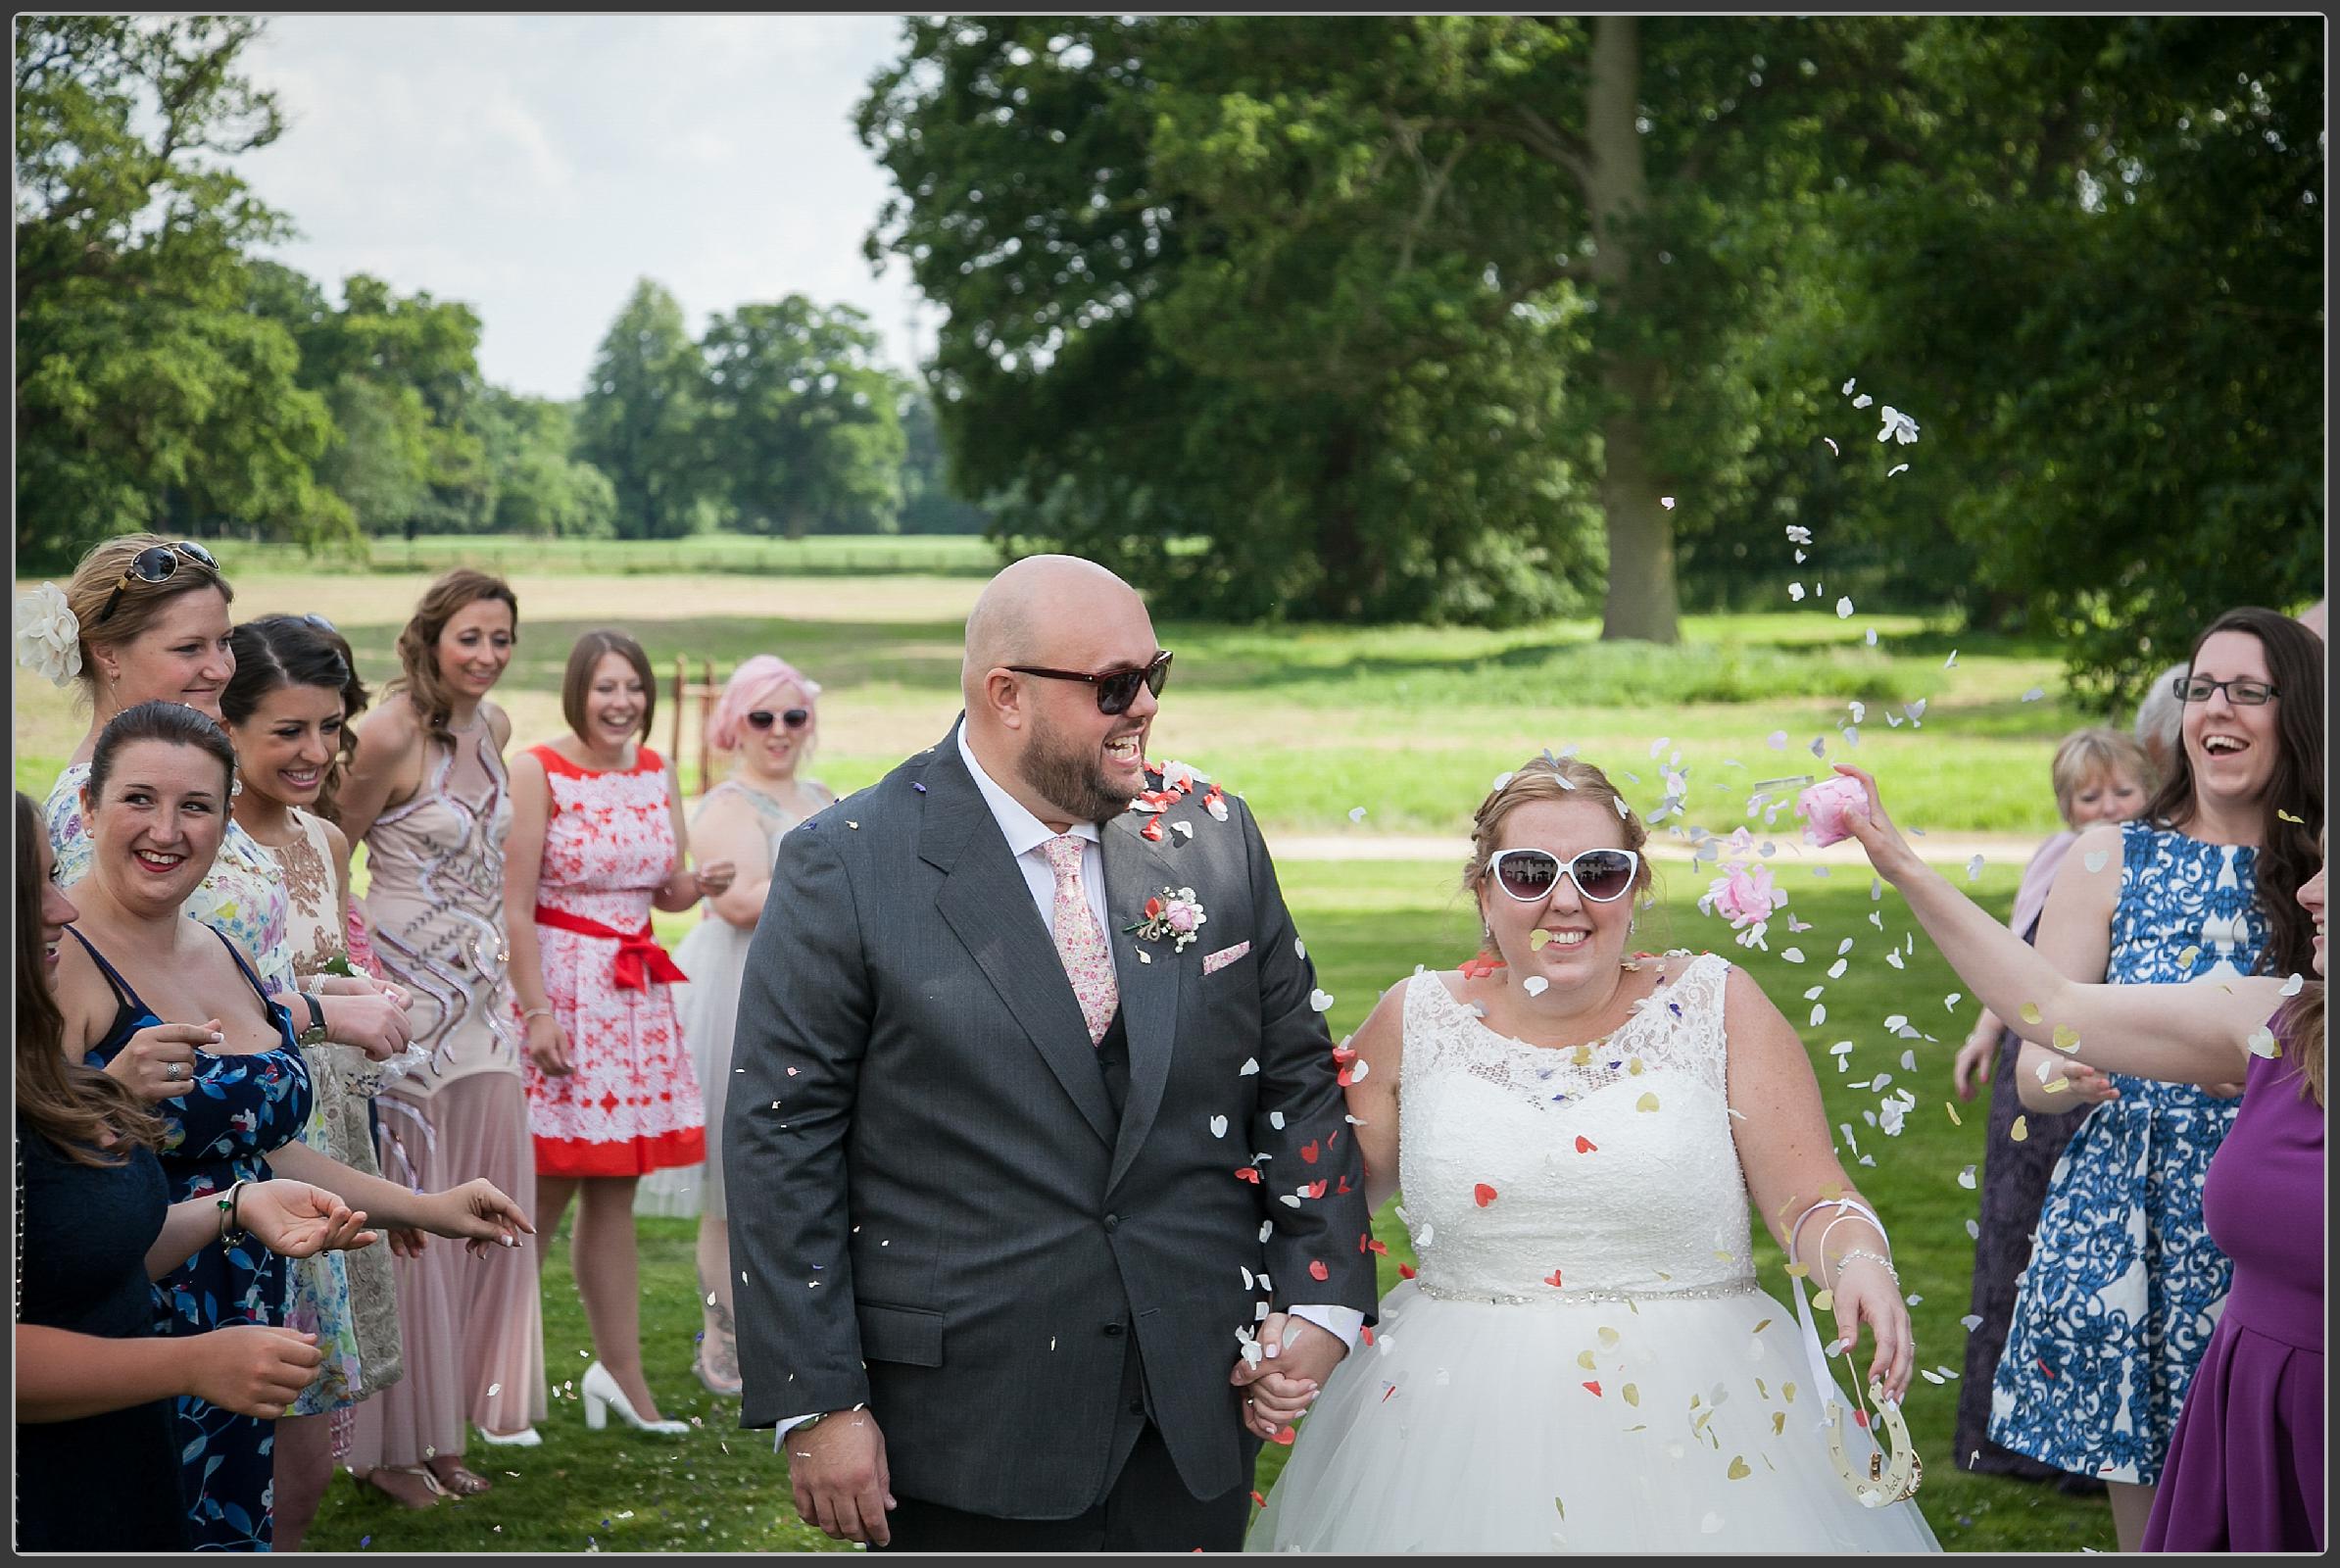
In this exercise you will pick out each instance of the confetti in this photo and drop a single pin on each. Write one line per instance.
(2021, 1129)
(1739, 1468)
(2095, 860)
(1898, 467)
(1648, 1101)
(1844, 608)
(1833, 450)
(1482, 1195)
(1320, 1000)
(2029, 1012)
(1356, 813)
(2288, 818)
(1535, 984)
(1538, 938)
(2034, 694)
(2065, 1038)
(1950, 660)
(1667, 501)
(1973, 867)
(1218, 1126)
(2261, 1042)
(2291, 987)
(1955, 1121)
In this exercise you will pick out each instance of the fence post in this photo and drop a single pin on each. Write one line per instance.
(675, 749)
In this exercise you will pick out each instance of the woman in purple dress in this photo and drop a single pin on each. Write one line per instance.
(2245, 1469)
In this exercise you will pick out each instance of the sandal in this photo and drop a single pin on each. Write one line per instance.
(461, 1480)
(404, 1497)
(723, 1388)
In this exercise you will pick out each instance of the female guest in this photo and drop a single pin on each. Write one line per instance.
(1585, 1361)
(2245, 1471)
(2124, 1285)
(96, 1227)
(595, 834)
(285, 707)
(155, 802)
(766, 722)
(2099, 775)
(426, 796)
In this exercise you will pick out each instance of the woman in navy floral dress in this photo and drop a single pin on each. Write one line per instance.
(157, 806)
(2124, 1285)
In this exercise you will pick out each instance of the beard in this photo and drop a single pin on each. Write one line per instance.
(1071, 775)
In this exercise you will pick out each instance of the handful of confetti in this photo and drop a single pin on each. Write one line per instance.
(1823, 807)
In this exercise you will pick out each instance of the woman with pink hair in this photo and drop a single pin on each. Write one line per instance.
(766, 722)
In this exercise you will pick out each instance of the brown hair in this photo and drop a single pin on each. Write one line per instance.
(2299, 1024)
(74, 1108)
(2287, 856)
(578, 680)
(419, 643)
(2098, 753)
(171, 724)
(102, 571)
(1546, 777)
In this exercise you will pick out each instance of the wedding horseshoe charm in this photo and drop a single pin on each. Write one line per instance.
(1887, 1482)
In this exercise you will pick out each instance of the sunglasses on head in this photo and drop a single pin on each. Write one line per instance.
(1116, 688)
(794, 718)
(318, 622)
(154, 565)
(1530, 875)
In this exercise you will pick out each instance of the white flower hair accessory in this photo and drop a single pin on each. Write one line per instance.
(48, 636)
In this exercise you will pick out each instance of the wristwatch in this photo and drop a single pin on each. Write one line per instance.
(316, 1032)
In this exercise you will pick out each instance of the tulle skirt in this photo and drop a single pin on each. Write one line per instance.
(1666, 1424)
(715, 955)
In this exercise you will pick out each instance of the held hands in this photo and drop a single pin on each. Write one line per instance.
(478, 1215)
(1281, 1386)
(405, 1242)
(372, 1020)
(1864, 1293)
(716, 878)
(251, 1369)
(159, 1063)
(294, 1219)
(837, 1468)
(548, 1046)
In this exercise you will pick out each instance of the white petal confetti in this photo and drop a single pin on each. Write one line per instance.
(2034, 694)
(1536, 985)
(1844, 608)
(1250, 1066)
(1218, 1129)
(1973, 867)
(1320, 1000)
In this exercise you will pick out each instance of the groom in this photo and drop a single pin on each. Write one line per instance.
(1018, 1155)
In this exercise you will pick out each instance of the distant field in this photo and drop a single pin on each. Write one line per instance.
(700, 552)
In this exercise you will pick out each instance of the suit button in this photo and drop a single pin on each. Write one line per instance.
(1112, 1222)
(1112, 1331)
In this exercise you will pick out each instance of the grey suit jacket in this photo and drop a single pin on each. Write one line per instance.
(934, 1210)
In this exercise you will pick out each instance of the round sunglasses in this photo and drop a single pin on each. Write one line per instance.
(794, 718)
(154, 565)
(1116, 688)
(1530, 875)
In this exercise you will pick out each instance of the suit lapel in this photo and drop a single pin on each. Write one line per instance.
(1135, 871)
(986, 903)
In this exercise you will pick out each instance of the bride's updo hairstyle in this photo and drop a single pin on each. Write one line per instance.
(1546, 777)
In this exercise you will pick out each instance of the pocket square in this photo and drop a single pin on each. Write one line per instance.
(1213, 963)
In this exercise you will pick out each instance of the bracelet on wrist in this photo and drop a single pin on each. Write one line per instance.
(227, 1201)
(528, 1013)
(1879, 1259)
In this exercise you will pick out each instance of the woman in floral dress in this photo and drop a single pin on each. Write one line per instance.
(595, 844)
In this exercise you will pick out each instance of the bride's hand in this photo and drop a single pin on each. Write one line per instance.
(1864, 1292)
(1273, 1402)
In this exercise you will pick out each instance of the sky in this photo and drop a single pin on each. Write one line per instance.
(535, 167)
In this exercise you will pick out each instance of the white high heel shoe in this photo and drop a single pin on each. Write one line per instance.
(602, 1395)
(525, 1437)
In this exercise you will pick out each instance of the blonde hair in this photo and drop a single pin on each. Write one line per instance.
(1546, 777)
(2099, 752)
(141, 603)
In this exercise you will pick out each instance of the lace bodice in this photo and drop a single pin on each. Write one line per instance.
(609, 840)
(1610, 1166)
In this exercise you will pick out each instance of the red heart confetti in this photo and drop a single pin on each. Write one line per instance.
(1344, 1187)
(1248, 1173)
(1366, 1334)
(1317, 1270)
(1482, 1194)
(1595, 1387)
(1406, 1271)
(1586, 1146)
(1151, 832)
(1309, 1152)
(1257, 1500)
(1553, 1279)
(1285, 1436)
(1316, 1188)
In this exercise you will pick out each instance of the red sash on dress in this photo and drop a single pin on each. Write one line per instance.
(640, 960)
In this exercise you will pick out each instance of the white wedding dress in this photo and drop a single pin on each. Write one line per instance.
(1584, 1363)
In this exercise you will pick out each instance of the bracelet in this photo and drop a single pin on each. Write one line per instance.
(227, 1209)
(535, 1012)
(1877, 1259)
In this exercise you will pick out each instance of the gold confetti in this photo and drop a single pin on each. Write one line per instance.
(1758, 1328)
(2066, 1039)
(1608, 1339)
(1762, 1393)
(2021, 1129)
(1538, 938)
(2288, 818)
(2187, 955)
(1646, 1103)
(2056, 1088)
(1585, 1360)
(1778, 1422)
(1788, 1391)
(1831, 1191)
(1955, 1120)
(1632, 1395)
(1796, 1271)
(1739, 1468)
(2029, 1012)
(1824, 1300)
(1556, 1504)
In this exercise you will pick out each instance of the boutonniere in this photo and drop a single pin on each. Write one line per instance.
(1175, 913)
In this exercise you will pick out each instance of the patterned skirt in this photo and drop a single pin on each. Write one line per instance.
(630, 1103)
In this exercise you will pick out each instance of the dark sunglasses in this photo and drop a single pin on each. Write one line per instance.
(1116, 688)
(154, 565)
(794, 718)
(1530, 875)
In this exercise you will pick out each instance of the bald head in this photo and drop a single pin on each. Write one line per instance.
(1044, 610)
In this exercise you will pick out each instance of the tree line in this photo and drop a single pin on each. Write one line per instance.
(1487, 318)
(169, 377)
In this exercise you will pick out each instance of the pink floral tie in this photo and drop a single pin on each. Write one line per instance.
(1087, 960)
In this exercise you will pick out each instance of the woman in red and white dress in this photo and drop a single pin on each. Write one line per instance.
(597, 830)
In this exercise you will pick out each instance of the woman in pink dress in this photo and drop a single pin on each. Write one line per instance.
(596, 829)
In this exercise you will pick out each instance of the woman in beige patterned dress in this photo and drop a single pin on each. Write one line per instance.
(426, 796)
(284, 712)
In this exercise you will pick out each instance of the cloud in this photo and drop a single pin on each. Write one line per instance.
(535, 167)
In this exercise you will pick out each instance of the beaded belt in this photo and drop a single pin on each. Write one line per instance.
(1744, 1285)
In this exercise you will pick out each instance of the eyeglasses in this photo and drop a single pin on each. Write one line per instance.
(1116, 688)
(154, 565)
(2241, 693)
(1530, 875)
(794, 718)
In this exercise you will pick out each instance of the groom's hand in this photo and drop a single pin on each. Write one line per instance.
(838, 1471)
(1286, 1379)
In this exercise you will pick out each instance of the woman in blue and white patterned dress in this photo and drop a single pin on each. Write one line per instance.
(2124, 1285)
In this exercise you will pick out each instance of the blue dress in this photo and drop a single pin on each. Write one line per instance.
(238, 1109)
(2124, 1285)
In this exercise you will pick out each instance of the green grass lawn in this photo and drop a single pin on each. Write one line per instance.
(1367, 925)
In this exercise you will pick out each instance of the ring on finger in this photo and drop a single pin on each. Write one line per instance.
(176, 1069)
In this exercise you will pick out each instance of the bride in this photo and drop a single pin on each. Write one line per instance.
(1584, 1363)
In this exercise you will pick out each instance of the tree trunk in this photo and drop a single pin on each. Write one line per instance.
(1641, 600)
(1351, 574)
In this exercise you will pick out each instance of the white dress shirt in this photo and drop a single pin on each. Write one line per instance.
(1026, 840)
